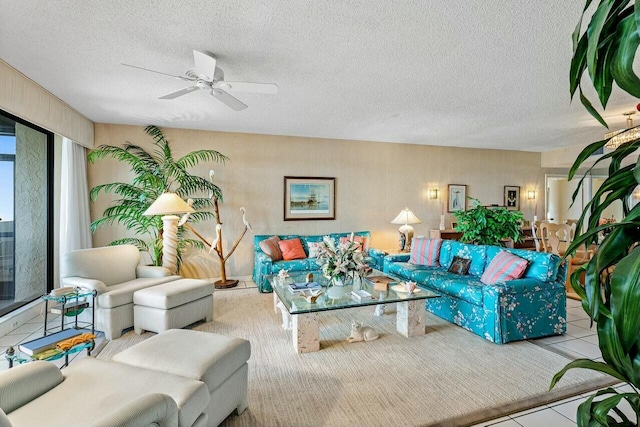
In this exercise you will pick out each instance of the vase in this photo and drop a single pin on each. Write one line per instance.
(336, 288)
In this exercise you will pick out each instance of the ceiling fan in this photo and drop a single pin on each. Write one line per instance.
(206, 75)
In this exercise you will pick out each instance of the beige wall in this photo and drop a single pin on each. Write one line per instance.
(374, 181)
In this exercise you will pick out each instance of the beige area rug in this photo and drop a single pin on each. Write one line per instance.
(447, 377)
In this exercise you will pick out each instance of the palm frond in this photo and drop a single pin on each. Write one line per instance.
(154, 172)
(192, 159)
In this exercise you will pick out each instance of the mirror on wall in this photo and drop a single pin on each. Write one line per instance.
(559, 192)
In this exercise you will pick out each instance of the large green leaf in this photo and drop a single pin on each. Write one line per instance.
(594, 30)
(586, 364)
(587, 104)
(625, 299)
(578, 65)
(622, 61)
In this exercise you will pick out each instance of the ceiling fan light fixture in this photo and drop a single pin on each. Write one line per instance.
(224, 85)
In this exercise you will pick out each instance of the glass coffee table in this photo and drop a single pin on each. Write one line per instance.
(301, 315)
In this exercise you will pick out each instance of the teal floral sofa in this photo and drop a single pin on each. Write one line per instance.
(264, 265)
(530, 307)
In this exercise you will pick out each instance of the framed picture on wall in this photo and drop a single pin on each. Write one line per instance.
(309, 198)
(512, 197)
(457, 198)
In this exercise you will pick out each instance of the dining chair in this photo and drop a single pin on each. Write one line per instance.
(537, 237)
(555, 238)
(558, 238)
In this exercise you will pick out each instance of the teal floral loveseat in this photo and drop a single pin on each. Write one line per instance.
(265, 265)
(529, 307)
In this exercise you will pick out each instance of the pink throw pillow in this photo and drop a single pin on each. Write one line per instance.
(504, 267)
(270, 247)
(425, 251)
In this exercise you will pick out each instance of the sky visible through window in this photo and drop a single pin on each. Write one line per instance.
(7, 146)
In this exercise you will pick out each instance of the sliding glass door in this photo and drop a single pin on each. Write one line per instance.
(26, 226)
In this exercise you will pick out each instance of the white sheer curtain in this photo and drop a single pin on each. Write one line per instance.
(75, 221)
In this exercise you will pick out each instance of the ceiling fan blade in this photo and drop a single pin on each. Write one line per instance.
(180, 92)
(158, 72)
(230, 101)
(205, 64)
(267, 88)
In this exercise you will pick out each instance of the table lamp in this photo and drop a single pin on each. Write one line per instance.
(168, 205)
(405, 217)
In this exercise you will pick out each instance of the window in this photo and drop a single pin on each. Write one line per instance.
(26, 226)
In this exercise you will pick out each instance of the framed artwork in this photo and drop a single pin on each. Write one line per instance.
(512, 197)
(457, 198)
(309, 198)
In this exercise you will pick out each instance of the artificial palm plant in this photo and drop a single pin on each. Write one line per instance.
(611, 293)
(155, 172)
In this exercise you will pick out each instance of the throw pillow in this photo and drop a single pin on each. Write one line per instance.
(314, 249)
(292, 249)
(363, 241)
(270, 247)
(460, 266)
(425, 251)
(503, 267)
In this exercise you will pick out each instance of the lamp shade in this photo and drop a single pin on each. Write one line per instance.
(406, 217)
(168, 204)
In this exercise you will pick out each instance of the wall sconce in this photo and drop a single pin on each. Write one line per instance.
(433, 193)
(531, 195)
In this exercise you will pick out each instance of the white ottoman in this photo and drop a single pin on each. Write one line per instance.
(172, 305)
(217, 360)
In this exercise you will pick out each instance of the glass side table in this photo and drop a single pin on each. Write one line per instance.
(14, 356)
(70, 305)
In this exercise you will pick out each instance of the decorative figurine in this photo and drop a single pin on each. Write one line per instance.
(411, 286)
(312, 295)
(362, 333)
(283, 274)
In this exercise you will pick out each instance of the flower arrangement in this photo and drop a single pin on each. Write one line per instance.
(341, 261)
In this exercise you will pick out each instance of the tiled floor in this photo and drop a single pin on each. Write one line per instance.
(580, 341)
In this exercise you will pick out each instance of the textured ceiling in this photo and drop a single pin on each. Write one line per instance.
(472, 73)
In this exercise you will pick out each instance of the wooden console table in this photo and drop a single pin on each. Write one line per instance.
(452, 234)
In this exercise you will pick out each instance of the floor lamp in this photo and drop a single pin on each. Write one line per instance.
(168, 205)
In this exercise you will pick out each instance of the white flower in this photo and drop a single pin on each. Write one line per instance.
(342, 260)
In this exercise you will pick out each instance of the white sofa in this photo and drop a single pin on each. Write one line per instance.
(178, 378)
(114, 272)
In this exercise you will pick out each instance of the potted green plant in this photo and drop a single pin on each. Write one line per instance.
(154, 172)
(488, 225)
(611, 292)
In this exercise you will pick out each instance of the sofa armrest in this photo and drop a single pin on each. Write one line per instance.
(524, 308)
(22, 384)
(151, 271)
(149, 410)
(390, 259)
(263, 265)
(376, 252)
(92, 284)
(518, 286)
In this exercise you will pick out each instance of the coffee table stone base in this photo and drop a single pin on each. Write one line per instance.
(306, 332)
(410, 318)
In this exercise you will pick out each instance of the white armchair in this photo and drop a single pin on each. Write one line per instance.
(114, 272)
